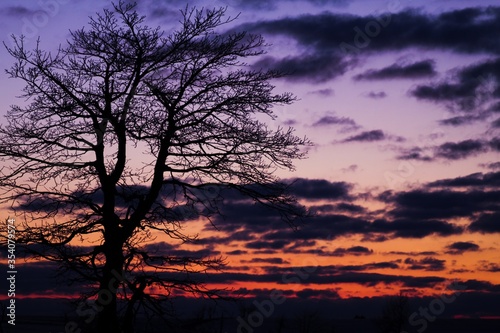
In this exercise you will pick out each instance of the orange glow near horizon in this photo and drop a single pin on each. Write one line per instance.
(396, 250)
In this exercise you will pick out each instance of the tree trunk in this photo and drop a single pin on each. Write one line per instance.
(108, 321)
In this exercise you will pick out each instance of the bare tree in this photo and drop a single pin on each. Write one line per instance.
(126, 129)
(309, 321)
(395, 314)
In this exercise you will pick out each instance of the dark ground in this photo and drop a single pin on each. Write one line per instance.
(290, 325)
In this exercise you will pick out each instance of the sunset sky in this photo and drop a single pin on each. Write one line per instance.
(402, 102)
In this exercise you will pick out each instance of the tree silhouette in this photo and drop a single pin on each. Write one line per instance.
(395, 314)
(129, 132)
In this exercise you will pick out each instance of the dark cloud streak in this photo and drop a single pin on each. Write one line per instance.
(315, 68)
(368, 136)
(419, 69)
(491, 179)
(461, 247)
